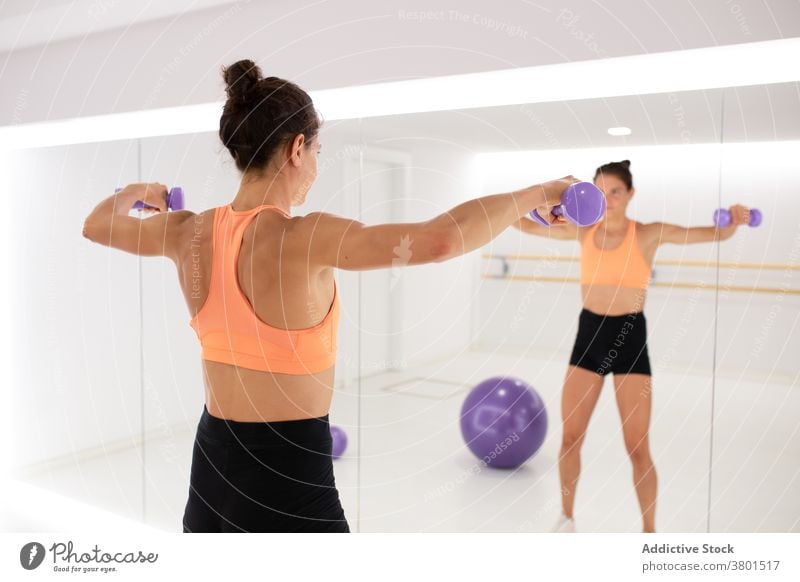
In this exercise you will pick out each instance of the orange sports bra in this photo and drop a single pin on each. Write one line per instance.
(624, 266)
(230, 331)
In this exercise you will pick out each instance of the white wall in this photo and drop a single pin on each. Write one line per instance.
(756, 333)
(435, 301)
(7, 359)
(75, 306)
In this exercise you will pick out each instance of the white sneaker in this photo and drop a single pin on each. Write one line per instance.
(564, 525)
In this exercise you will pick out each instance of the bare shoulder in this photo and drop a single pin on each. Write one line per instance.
(307, 234)
(312, 220)
(657, 233)
(303, 228)
(649, 230)
(180, 219)
(319, 224)
(181, 216)
(184, 222)
(159, 234)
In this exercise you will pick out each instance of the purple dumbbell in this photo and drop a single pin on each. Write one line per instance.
(582, 204)
(174, 199)
(722, 217)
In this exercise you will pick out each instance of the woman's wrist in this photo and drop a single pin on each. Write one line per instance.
(124, 201)
(728, 231)
(531, 197)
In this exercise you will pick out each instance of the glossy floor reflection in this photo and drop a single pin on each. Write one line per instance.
(417, 475)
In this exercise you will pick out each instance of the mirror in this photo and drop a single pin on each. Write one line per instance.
(414, 341)
(511, 309)
(756, 444)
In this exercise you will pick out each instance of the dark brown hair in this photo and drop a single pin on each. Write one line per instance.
(619, 169)
(262, 114)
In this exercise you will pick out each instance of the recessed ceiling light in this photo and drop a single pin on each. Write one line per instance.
(619, 131)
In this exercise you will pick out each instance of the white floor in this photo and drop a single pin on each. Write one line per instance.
(416, 475)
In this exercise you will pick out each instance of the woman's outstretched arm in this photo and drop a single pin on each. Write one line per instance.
(672, 233)
(333, 241)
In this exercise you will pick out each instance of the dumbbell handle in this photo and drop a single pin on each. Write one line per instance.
(175, 199)
(556, 211)
(722, 217)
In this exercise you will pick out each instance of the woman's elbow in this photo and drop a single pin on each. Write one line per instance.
(90, 230)
(443, 248)
(87, 231)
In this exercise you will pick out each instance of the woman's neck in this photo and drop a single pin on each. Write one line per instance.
(615, 223)
(271, 190)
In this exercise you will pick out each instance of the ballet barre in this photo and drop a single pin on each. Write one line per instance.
(658, 262)
(678, 285)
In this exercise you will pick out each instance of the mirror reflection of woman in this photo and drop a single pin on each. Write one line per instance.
(616, 265)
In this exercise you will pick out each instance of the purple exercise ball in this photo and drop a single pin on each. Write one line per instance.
(503, 421)
(339, 441)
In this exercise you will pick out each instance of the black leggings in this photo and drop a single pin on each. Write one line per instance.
(611, 344)
(263, 477)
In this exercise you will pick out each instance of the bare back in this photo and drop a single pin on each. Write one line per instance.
(285, 292)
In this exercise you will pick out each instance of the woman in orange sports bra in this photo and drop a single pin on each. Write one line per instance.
(260, 287)
(616, 258)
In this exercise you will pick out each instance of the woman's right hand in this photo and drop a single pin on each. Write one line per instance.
(553, 191)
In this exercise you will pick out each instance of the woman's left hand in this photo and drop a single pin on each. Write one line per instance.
(739, 215)
(152, 194)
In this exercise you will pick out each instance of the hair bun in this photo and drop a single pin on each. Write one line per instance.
(626, 163)
(241, 78)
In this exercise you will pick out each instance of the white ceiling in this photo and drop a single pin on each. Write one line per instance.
(9, 8)
(63, 59)
(602, 27)
(25, 23)
(761, 113)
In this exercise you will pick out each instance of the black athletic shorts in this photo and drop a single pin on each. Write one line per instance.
(611, 344)
(263, 477)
